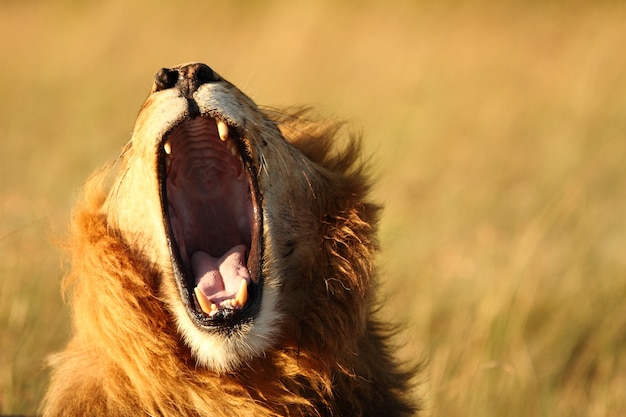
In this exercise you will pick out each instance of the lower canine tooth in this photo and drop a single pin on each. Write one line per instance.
(167, 147)
(242, 295)
(206, 305)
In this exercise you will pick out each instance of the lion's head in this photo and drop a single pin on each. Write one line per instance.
(227, 269)
(237, 219)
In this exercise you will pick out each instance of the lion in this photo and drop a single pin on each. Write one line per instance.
(226, 269)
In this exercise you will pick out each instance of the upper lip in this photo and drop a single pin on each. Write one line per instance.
(211, 206)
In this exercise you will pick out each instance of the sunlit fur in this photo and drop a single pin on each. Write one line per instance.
(315, 349)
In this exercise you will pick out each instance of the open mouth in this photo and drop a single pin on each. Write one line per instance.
(212, 210)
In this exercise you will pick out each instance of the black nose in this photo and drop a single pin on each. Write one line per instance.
(187, 78)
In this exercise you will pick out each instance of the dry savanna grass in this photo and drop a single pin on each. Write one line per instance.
(497, 129)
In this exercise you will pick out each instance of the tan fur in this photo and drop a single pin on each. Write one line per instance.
(328, 356)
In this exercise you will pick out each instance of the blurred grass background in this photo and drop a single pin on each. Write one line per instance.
(498, 131)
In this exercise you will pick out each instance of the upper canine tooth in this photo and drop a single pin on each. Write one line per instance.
(167, 147)
(222, 129)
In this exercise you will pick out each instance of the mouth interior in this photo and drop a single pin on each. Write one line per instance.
(211, 208)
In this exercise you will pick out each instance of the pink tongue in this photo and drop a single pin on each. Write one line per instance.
(220, 279)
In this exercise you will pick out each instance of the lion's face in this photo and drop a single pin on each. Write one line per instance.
(210, 197)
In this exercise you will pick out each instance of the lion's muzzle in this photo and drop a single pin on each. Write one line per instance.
(209, 198)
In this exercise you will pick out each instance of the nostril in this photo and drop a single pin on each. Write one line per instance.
(165, 78)
(204, 74)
